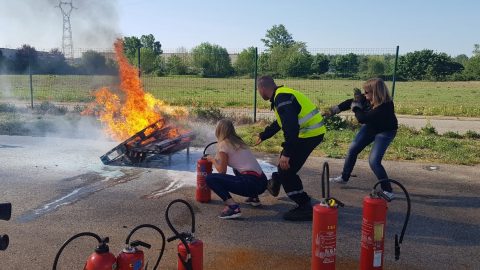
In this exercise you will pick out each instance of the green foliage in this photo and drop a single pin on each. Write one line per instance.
(245, 63)
(278, 36)
(209, 114)
(25, 56)
(345, 65)
(150, 51)
(453, 135)
(177, 65)
(426, 64)
(472, 68)
(49, 108)
(335, 123)
(93, 62)
(212, 60)
(7, 107)
(293, 61)
(428, 129)
(472, 135)
(320, 64)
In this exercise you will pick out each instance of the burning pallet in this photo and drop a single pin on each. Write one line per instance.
(156, 139)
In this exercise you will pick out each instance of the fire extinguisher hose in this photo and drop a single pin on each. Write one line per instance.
(57, 257)
(205, 150)
(183, 236)
(407, 217)
(330, 201)
(127, 241)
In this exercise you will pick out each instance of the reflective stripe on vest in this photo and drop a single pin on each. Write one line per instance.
(310, 120)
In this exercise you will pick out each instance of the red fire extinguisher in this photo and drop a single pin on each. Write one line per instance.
(373, 228)
(131, 257)
(324, 228)
(204, 167)
(190, 249)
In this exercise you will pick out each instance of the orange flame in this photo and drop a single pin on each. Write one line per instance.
(139, 109)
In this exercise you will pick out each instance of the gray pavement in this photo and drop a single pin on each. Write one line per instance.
(65, 177)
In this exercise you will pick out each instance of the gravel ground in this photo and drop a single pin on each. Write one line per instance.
(58, 187)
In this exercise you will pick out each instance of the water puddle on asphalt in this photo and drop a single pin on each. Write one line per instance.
(178, 169)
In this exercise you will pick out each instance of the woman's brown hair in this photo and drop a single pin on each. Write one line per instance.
(226, 131)
(379, 90)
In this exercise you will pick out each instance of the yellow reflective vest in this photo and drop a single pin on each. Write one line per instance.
(309, 119)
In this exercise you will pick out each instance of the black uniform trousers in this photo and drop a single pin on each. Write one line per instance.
(291, 182)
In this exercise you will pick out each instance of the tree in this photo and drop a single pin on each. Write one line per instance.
(150, 51)
(24, 57)
(476, 49)
(472, 68)
(130, 47)
(212, 60)
(278, 36)
(346, 65)
(93, 62)
(55, 63)
(320, 64)
(245, 63)
(461, 58)
(176, 65)
(148, 42)
(427, 65)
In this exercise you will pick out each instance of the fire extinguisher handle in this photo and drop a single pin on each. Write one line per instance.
(137, 243)
(397, 248)
(205, 150)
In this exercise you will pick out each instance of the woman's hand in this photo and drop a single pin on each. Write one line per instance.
(210, 158)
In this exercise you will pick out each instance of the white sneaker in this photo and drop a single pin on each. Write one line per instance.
(390, 195)
(338, 180)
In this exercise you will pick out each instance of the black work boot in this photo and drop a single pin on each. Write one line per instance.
(300, 213)
(273, 185)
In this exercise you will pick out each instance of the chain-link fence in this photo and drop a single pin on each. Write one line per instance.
(211, 77)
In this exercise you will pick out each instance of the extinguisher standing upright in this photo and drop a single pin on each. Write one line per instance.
(131, 257)
(373, 228)
(204, 167)
(190, 249)
(324, 228)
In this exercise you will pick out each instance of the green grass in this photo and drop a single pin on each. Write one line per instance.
(417, 98)
(409, 144)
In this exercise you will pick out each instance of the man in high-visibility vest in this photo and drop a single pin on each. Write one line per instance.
(303, 130)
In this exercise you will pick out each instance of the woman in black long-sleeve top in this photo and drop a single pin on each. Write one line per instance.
(379, 125)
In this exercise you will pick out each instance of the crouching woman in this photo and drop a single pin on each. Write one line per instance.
(249, 180)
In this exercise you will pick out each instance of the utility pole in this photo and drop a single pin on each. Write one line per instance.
(67, 42)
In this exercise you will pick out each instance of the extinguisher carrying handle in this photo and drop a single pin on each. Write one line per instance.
(398, 241)
(94, 235)
(205, 150)
(143, 244)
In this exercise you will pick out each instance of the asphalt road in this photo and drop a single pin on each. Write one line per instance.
(58, 187)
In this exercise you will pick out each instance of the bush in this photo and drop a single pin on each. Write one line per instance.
(472, 135)
(453, 135)
(7, 107)
(49, 108)
(428, 129)
(335, 123)
(210, 114)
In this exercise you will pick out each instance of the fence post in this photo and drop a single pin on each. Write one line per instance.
(255, 73)
(30, 75)
(138, 56)
(395, 72)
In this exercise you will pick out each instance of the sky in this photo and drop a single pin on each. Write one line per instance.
(441, 25)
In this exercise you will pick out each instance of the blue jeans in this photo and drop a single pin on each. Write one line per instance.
(381, 141)
(241, 184)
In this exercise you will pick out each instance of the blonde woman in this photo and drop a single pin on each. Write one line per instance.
(249, 179)
(379, 126)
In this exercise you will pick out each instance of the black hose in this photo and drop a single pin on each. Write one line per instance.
(182, 236)
(94, 235)
(404, 228)
(325, 174)
(127, 241)
(208, 145)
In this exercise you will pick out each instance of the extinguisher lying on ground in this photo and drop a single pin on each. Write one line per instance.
(373, 227)
(131, 258)
(190, 249)
(324, 227)
(204, 168)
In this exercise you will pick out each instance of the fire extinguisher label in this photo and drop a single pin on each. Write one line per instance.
(325, 242)
(377, 258)
(378, 232)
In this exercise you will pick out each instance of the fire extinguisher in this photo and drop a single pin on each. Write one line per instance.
(131, 257)
(190, 249)
(204, 167)
(101, 259)
(324, 227)
(373, 227)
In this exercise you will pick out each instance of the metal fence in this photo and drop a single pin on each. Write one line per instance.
(180, 78)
